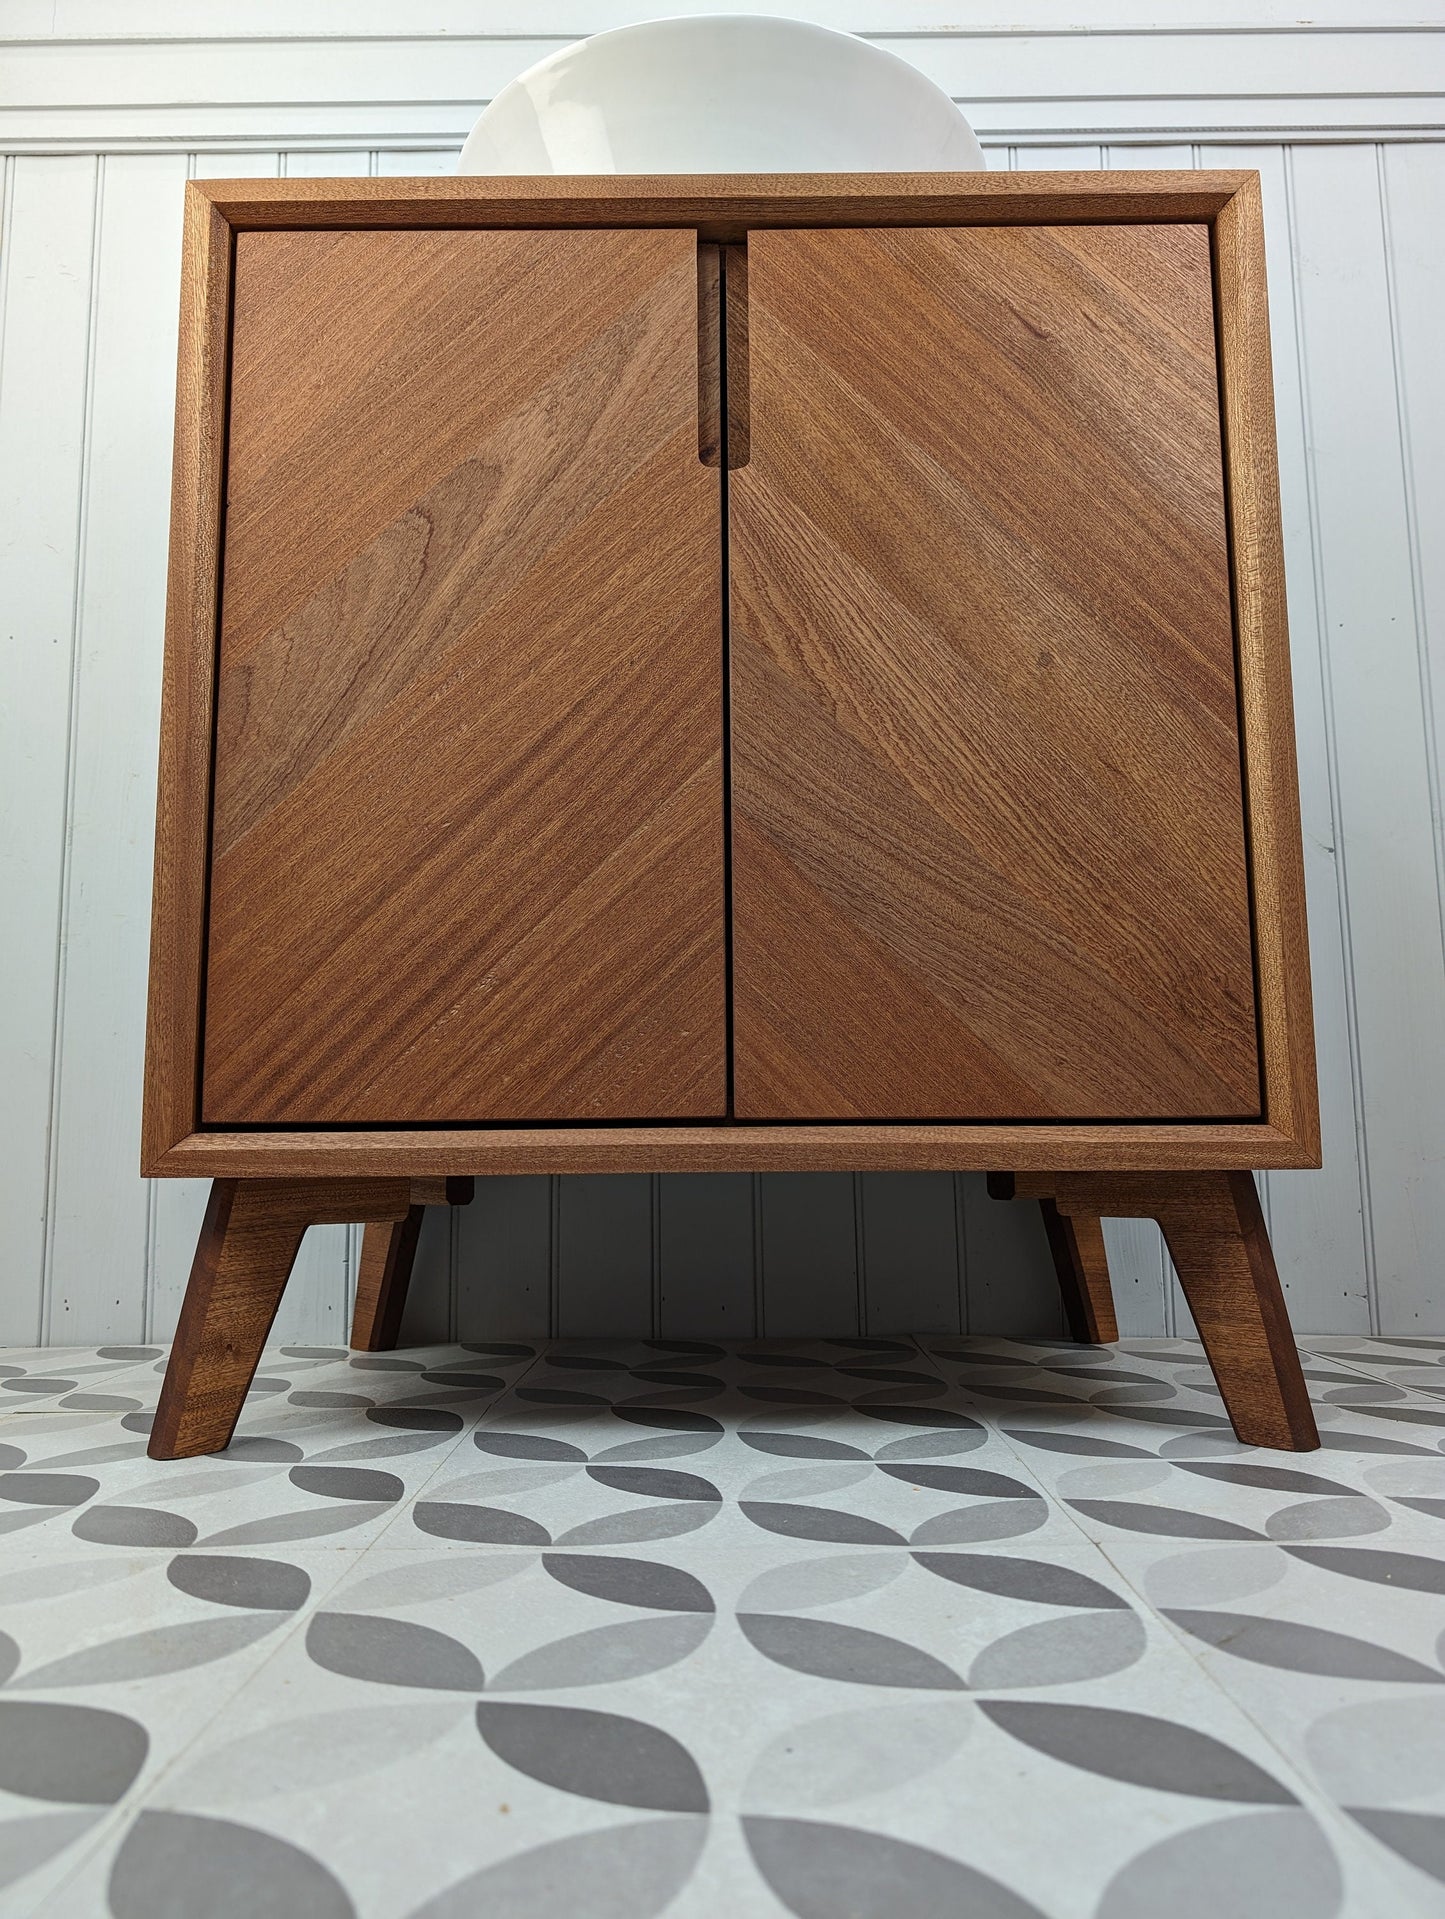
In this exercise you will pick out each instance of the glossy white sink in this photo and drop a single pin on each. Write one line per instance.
(721, 93)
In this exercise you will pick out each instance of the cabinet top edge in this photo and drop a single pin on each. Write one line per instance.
(724, 202)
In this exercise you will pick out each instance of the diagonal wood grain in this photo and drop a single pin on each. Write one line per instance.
(984, 708)
(467, 830)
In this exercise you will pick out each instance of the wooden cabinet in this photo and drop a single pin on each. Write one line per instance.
(706, 674)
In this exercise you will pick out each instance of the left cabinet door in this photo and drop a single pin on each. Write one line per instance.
(467, 823)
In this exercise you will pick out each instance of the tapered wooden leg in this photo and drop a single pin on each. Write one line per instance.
(1216, 1236)
(388, 1249)
(1215, 1232)
(1082, 1264)
(248, 1245)
(243, 1259)
(388, 1252)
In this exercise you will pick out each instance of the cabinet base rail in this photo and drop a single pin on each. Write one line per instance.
(1212, 1225)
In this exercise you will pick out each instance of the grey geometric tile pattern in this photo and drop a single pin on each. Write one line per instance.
(875, 1627)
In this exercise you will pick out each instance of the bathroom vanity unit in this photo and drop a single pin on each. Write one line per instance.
(771, 672)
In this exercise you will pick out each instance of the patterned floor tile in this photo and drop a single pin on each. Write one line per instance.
(849, 1722)
(115, 1662)
(1335, 1651)
(1011, 1629)
(773, 1441)
(1418, 1365)
(327, 1445)
(76, 1378)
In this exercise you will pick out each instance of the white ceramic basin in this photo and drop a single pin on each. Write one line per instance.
(721, 93)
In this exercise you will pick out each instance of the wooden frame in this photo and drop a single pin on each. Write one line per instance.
(724, 209)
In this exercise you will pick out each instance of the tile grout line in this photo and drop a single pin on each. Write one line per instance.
(1364, 1368)
(1355, 1859)
(123, 1373)
(1309, 1797)
(451, 1451)
(131, 1808)
(1373, 1378)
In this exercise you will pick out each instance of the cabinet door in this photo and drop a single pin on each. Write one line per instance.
(988, 836)
(467, 854)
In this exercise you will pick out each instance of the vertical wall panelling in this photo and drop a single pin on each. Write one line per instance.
(1316, 1219)
(1137, 1271)
(97, 1241)
(504, 1241)
(605, 1250)
(1412, 186)
(88, 247)
(1412, 183)
(426, 160)
(326, 164)
(909, 1253)
(1012, 1291)
(705, 1252)
(45, 384)
(429, 1318)
(810, 1255)
(1372, 657)
(177, 1207)
(1054, 159)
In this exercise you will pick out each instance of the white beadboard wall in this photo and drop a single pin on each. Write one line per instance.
(106, 106)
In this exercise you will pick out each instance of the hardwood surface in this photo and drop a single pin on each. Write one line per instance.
(1215, 1232)
(722, 312)
(724, 210)
(383, 1274)
(1076, 1245)
(247, 1247)
(709, 353)
(1271, 777)
(724, 206)
(388, 1253)
(467, 827)
(881, 1148)
(739, 394)
(988, 837)
(178, 901)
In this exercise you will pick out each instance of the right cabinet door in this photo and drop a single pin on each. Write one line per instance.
(988, 839)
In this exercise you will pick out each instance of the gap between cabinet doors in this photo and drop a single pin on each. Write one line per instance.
(722, 441)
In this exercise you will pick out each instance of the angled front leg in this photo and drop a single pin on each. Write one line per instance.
(248, 1245)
